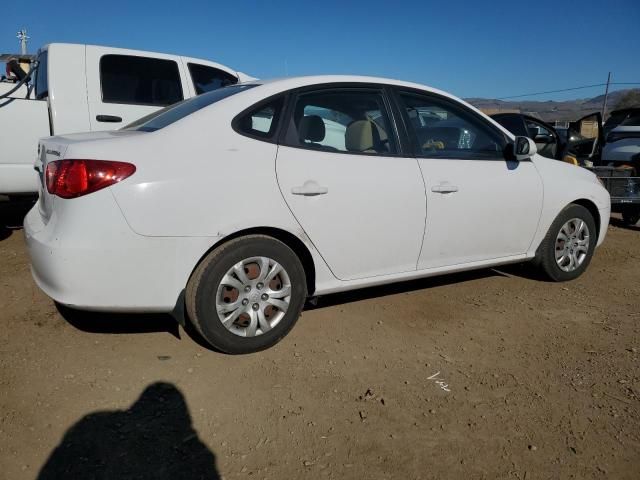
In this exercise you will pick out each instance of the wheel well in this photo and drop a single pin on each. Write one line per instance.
(293, 242)
(593, 210)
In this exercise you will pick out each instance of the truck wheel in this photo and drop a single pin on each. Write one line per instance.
(247, 294)
(631, 217)
(566, 250)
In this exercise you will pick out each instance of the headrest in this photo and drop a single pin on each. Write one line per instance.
(311, 129)
(361, 136)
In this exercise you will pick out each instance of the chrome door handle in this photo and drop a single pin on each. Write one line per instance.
(309, 189)
(444, 188)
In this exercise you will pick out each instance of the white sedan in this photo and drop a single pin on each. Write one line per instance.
(239, 204)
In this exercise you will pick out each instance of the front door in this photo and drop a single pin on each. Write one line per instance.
(359, 201)
(479, 206)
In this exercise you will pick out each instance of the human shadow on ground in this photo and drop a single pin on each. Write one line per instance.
(153, 439)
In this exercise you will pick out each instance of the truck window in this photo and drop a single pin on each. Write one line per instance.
(42, 81)
(139, 80)
(206, 78)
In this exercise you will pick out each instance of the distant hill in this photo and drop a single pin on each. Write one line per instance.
(549, 110)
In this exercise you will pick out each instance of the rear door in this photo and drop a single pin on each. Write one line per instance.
(122, 86)
(357, 198)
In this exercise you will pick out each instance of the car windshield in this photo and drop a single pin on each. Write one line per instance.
(177, 111)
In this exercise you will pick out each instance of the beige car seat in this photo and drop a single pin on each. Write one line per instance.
(365, 136)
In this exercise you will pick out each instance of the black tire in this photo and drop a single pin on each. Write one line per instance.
(631, 216)
(545, 257)
(203, 286)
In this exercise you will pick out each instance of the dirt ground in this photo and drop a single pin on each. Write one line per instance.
(491, 374)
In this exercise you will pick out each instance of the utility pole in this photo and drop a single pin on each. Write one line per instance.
(23, 37)
(606, 94)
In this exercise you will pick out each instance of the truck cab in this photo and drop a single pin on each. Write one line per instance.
(78, 88)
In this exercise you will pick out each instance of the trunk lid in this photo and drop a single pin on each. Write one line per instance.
(55, 148)
(48, 151)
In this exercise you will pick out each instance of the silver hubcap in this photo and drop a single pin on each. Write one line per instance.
(253, 296)
(572, 245)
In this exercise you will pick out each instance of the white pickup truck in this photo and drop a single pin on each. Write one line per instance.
(80, 88)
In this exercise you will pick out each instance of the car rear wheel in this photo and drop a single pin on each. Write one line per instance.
(566, 250)
(247, 294)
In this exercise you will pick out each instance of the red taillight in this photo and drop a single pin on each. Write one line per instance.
(74, 178)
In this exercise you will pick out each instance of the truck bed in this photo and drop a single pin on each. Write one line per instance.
(22, 123)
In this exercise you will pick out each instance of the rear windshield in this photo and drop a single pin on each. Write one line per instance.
(173, 113)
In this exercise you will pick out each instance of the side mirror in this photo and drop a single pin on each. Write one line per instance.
(524, 148)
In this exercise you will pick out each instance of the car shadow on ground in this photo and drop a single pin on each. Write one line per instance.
(127, 324)
(152, 439)
(119, 323)
(12, 214)
(617, 222)
(418, 284)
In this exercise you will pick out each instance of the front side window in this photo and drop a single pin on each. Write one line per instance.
(206, 78)
(342, 120)
(512, 122)
(139, 80)
(442, 129)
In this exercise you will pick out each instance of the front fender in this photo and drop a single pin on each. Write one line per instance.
(563, 185)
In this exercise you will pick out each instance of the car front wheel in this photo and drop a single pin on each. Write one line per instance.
(566, 250)
(247, 294)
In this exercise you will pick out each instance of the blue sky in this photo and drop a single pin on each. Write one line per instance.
(472, 49)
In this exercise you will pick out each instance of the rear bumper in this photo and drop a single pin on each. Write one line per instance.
(94, 261)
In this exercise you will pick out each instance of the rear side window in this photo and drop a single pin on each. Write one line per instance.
(42, 77)
(262, 121)
(173, 113)
(139, 80)
(342, 120)
(206, 78)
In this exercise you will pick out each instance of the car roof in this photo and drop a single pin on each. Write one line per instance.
(286, 83)
(276, 85)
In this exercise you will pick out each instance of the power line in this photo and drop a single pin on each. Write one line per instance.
(567, 89)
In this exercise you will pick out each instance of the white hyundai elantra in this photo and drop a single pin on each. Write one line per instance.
(242, 202)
